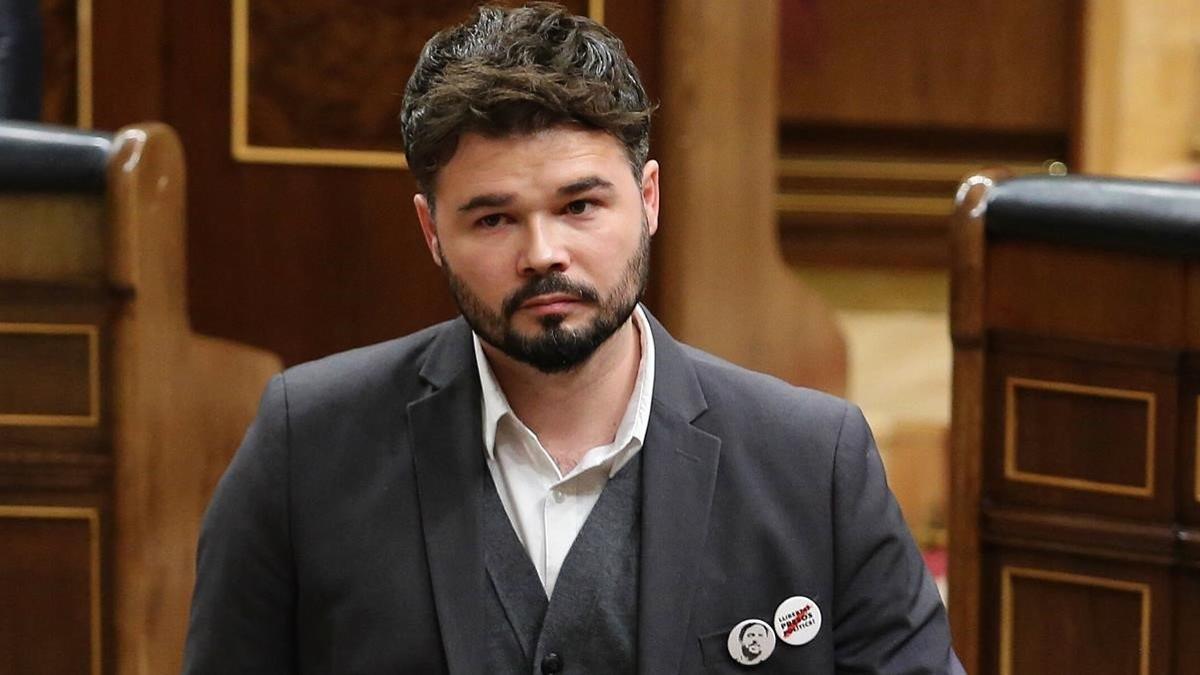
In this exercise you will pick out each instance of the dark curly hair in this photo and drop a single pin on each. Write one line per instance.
(515, 71)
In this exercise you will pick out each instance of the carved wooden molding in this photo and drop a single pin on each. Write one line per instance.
(875, 210)
(92, 417)
(885, 198)
(1008, 573)
(858, 204)
(1015, 474)
(933, 171)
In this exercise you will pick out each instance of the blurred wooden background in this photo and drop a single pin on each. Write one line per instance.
(811, 149)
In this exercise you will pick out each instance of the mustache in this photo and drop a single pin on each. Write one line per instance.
(550, 283)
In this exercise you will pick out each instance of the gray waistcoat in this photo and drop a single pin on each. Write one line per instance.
(590, 625)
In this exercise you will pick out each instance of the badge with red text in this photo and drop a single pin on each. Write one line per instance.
(751, 642)
(797, 620)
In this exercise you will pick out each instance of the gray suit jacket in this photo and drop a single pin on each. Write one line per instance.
(345, 535)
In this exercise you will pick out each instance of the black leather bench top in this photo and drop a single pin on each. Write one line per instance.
(1138, 215)
(41, 157)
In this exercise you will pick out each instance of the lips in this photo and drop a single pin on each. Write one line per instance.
(553, 303)
(550, 294)
(549, 299)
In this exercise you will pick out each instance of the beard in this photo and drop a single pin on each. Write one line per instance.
(556, 348)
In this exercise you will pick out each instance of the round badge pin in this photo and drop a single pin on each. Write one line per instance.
(797, 620)
(751, 642)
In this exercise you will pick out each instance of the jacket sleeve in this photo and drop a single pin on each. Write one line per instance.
(244, 599)
(889, 617)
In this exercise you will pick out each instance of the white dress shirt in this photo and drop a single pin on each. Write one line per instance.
(547, 509)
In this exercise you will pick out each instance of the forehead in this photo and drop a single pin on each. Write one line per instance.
(542, 160)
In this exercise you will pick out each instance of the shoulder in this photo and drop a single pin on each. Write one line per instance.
(765, 402)
(384, 368)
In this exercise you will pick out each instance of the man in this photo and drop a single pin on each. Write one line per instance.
(550, 483)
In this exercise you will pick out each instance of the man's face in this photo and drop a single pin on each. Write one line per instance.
(544, 240)
(752, 640)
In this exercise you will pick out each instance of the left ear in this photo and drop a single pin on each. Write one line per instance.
(650, 194)
(428, 228)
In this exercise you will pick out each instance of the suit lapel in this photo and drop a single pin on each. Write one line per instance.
(447, 448)
(679, 470)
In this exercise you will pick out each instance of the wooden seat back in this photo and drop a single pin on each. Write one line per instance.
(116, 420)
(1075, 501)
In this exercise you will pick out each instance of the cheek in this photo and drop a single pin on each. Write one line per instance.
(486, 272)
(606, 251)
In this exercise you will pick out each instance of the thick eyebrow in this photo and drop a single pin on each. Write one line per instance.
(492, 200)
(583, 185)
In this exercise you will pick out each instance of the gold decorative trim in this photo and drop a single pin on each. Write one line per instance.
(1196, 469)
(83, 64)
(240, 145)
(596, 10)
(92, 418)
(799, 203)
(1011, 472)
(900, 169)
(92, 516)
(1007, 573)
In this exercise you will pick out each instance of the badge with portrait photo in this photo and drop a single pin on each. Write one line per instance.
(751, 642)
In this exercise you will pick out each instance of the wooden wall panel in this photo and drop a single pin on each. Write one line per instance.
(331, 75)
(890, 105)
(129, 62)
(929, 63)
(304, 261)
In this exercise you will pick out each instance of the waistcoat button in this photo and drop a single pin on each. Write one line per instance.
(553, 663)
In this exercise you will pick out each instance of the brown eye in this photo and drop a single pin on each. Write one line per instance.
(579, 207)
(490, 221)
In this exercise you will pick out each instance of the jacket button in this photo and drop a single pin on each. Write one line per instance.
(553, 663)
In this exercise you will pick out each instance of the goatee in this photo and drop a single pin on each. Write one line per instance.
(556, 348)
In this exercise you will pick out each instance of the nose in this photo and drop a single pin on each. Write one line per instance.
(544, 250)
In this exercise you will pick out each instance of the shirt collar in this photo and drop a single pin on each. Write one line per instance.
(637, 412)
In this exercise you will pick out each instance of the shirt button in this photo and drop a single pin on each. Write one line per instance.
(553, 663)
(557, 495)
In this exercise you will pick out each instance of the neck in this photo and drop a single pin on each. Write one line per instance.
(577, 410)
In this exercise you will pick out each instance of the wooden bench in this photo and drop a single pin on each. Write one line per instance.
(115, 419)
(1075, 500)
